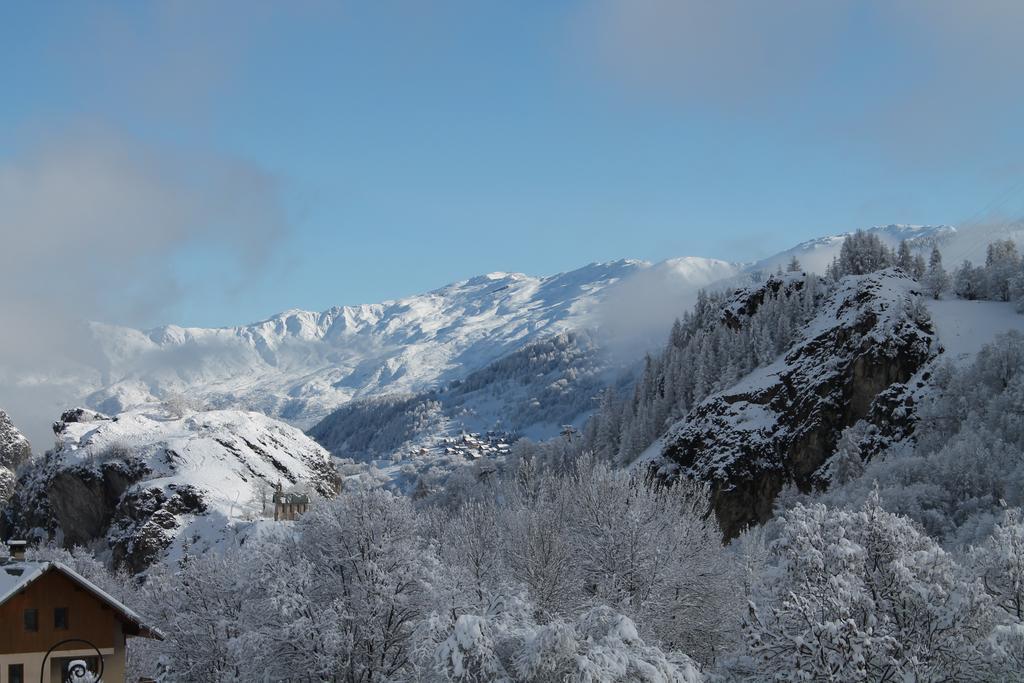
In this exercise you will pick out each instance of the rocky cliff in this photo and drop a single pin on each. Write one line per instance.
(147, 484)
(780, 424)
(14, 451)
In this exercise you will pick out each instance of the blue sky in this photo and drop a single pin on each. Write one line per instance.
(215, 163)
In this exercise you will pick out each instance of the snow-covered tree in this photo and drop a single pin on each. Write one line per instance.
(999, 561)
(904, 258)
(589, 534)
(200, 609)
(919, 268)
(863, 595)
(1002, 266)
(969, 282)
(7, 482)
(847, 463)
(861, 253)
(178, 405)
(966, 455)
(599, 645)
(936, 280)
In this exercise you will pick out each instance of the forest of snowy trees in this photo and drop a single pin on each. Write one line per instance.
(584, 574)
(563, 565)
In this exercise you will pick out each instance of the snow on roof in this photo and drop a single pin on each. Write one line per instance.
(18, 575)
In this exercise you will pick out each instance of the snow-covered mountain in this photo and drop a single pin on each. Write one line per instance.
(300, 365)
(148, 482)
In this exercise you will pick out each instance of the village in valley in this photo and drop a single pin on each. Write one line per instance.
(473, 446)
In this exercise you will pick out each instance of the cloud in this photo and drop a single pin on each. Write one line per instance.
(100, 224)
(95, 226)
(177, 61)
(729, 51)
(636, 313)
(918, 79)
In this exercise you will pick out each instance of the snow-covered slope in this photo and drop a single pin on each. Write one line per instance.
(531, 392)
(964, 327)
(148, 482)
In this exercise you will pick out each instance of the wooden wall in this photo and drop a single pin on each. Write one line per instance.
(89, 618)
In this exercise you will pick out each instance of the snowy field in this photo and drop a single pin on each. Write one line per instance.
(964, 327)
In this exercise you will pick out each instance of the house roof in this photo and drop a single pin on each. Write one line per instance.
(16, 576)
(291, 498)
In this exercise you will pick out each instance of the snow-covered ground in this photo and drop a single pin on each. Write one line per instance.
(963, 327)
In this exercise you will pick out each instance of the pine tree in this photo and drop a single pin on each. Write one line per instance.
(919, 267)
(969, 282)
(904, 259)
(794, 265)
(606, 438)
(1002, 265)
(936, 280)
(862, 253)
(848, 463)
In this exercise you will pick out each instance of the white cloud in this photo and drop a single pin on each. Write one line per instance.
(90, 224)
(921, 80)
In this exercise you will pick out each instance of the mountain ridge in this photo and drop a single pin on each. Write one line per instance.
(311, 362)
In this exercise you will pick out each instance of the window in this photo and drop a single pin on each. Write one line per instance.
(60, 618)
(16, 673)
(31, 620)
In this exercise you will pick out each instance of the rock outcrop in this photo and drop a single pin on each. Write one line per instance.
(14, 452)
(145, 484)
(780, 424)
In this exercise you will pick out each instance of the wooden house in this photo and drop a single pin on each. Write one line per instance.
(52, 618)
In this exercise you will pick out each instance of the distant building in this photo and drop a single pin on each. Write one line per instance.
(288, 506)
(46, 607)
